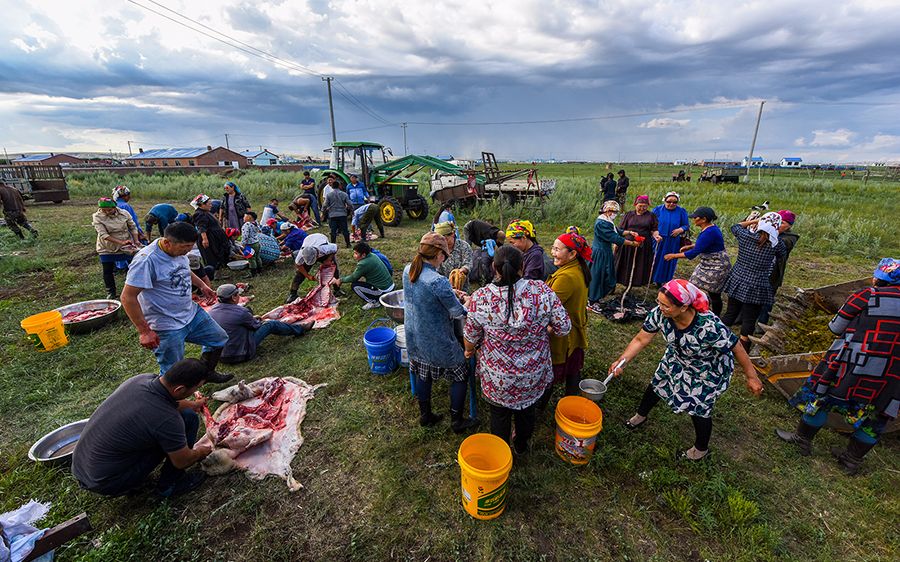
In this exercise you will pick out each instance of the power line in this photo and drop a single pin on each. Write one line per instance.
(264, 135)
(361, 104)
(261, 53)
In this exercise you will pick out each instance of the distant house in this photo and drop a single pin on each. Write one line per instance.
(719, 163)
(757, 162)
(187, 157)
(260, 157)
(50, 159)
(791, 162)
(681, 162)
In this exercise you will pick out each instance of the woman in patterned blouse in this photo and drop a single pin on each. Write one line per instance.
(698, 362)
(510, 322)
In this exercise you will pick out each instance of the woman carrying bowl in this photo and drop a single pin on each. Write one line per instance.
(117, 240)
(697, 365)
(633, 265)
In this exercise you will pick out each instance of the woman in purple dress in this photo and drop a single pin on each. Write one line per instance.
(645, 224)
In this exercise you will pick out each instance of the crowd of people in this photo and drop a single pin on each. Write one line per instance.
(522, 332)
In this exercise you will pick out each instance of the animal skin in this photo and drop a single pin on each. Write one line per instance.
(259, 434)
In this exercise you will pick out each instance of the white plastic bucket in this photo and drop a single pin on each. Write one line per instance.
(400, 342)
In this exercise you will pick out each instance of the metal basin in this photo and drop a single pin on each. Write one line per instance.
(92, 324)
(56, 447)
(238, 265)
(393, 305)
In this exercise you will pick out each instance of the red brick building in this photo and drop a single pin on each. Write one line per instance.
(186, 158)
(50, 159)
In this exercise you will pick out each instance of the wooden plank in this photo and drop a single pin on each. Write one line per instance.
(60, 535)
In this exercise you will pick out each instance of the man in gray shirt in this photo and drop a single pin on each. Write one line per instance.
(146, 421)
(157, 299)
(245, 331)
(337, 206)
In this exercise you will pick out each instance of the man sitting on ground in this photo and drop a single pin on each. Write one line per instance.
(245, 331)
(147, 420)
(369, 267)
(293, 237)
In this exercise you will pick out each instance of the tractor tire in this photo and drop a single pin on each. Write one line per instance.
(419, 211)
(714, 180)
(391, 211)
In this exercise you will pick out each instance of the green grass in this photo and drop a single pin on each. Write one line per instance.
(379, 487)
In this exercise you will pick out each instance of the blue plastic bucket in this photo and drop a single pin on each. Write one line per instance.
(381, 349)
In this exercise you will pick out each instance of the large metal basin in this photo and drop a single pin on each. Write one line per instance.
(94, 323)
(56, 447)
(393, 305)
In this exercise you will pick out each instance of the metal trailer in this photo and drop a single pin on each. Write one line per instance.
(38, 183)
(720, 175)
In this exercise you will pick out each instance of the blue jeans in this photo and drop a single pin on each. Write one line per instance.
(314, 205)
(277, 328)
(201, 330)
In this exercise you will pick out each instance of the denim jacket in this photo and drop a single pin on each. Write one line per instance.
(430, 306)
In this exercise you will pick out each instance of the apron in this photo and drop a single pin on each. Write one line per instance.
(712, 271)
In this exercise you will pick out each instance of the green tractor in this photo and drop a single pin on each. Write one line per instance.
(390, 181)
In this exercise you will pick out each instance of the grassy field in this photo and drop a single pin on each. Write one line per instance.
(379, 487)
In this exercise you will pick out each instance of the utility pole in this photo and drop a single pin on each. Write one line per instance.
(129, 149)
(226, 142)
(405, 149)
(7, 156)
(327, 80)
(753, 144)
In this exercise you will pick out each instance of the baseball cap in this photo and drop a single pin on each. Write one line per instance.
(227, 291)
(704, 213)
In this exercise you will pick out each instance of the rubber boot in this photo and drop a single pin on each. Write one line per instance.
(211, 358)
(747, 344)
(801, 437)
(851, 458)
(427, 418)
(459, 424)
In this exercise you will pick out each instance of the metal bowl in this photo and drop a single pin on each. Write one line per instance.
(238, 265)
(393, 304)
(86, 326)
(592, 389)
(56, 447)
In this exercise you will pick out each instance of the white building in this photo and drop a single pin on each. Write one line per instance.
(791, 162)
(260, 157)
(758, 162)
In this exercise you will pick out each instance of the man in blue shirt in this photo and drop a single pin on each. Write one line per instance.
(295, 236)
(357, 192)
(157, 299)
(308, 185)
(160, 215)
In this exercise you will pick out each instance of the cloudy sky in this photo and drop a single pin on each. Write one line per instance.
(598, 80)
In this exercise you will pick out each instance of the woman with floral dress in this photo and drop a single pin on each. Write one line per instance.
(507, 323)
(697, 365)
(859, 377)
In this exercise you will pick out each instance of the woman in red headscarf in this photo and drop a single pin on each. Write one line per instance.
(637, 259)
(572, 256)
(698, 362)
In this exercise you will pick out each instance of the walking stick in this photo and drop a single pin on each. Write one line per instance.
(652, 266)
(621, 313)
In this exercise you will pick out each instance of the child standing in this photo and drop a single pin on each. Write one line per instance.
(250, 237)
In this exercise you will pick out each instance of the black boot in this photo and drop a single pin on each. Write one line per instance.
(459, 424)
(427, 418)
(851, 458)
(211, 358)
(801, 437)
(747, 344)
(291, 297)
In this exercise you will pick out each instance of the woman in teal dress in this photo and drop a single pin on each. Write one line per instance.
(603, 266)
(697, 365)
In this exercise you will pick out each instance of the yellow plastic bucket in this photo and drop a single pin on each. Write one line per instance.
(578, 421)
(485, 461)
(45, 330)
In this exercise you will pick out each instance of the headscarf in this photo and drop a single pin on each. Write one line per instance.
(577, 242)
(770, 223)
(888, 270)
(520, 229)
(688, 294)
(106, 203)
(611, 205)
(642, 199)
(199, 200)
(787, 216)
(233, 185)
(573, 230)
(232, 232)
(120, 191)
(672, 194)
(445, 228)
(271, 222)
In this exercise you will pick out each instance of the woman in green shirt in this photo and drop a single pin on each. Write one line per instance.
(369, 266)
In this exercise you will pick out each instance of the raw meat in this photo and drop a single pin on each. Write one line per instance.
(72, 317)
(260, 434)
(356, 237)
(206, 304)
(319, 305)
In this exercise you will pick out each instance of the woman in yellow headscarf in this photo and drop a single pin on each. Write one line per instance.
(521, 235)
